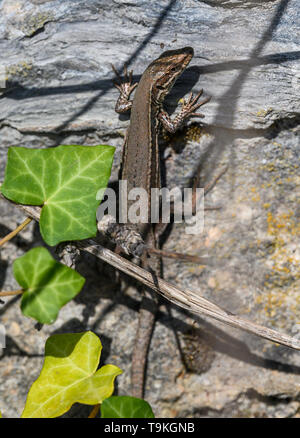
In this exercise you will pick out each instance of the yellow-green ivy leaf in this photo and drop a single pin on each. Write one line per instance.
(64, 181)
(48, 285)
(69, 375)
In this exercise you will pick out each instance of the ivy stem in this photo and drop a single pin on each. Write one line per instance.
(94, 411)
(16, 231)
(11, 292)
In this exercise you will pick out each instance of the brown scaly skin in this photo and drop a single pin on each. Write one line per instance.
(141, 168)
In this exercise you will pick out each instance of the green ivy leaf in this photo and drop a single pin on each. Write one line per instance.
(65, 181)
(125, 407)
(48, 285)
(69, 376)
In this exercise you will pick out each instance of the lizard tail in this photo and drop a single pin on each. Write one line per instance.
(146, 322)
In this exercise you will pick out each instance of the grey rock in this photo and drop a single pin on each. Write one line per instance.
(58, 90)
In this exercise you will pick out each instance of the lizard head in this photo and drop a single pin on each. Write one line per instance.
(165, 70)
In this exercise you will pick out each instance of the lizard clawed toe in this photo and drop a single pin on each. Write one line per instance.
(125, 85)
(190, 106)
(116, 73)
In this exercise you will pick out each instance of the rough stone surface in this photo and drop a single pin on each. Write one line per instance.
(58, 90)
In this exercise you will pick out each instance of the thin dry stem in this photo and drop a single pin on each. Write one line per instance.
(16, 231)
(94, 411)
(11, 292)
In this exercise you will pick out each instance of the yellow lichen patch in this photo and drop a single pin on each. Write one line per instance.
(270, 167)
(282, 283)
(275, 298)
(193, 132)
(35, 22)
(20, 69)
(264, 113)
(255, 198)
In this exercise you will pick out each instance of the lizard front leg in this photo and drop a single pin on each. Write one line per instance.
(125, 87)
(188, 110)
